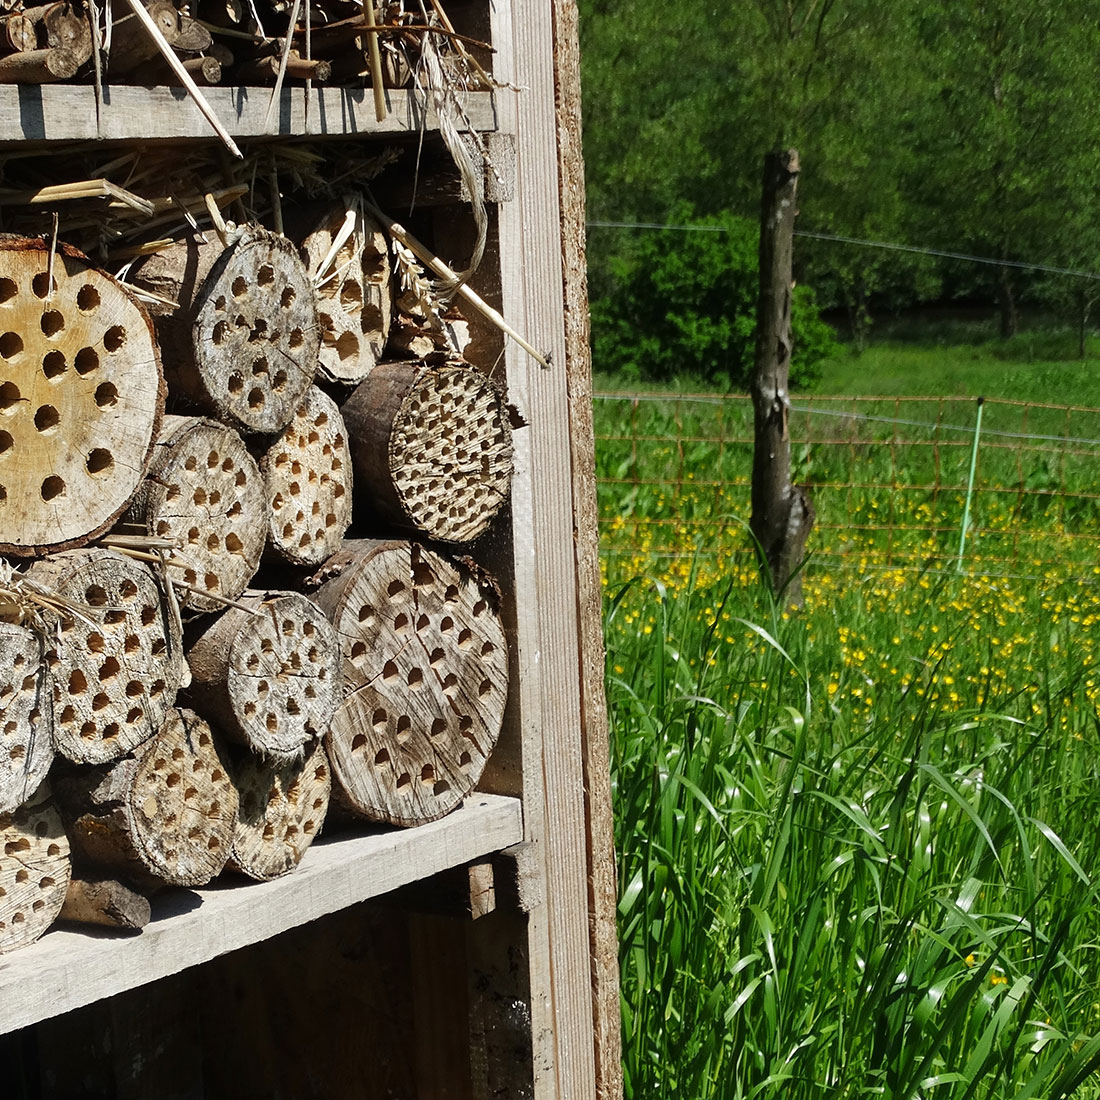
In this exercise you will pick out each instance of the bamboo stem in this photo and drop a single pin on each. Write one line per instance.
(374, 57)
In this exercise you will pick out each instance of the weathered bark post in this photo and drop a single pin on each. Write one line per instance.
(782, 513)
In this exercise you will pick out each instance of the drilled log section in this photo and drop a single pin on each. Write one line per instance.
(131, 43)
(166, 812)
(268, 677)
(308, 480)
(105, 902)
(81, 397)
(243, 343)
(26, 715)
(354, 295)
(282, 809)
(432, 447)
(34, 870)
(117, 661)
(424, 651)
(205, 490)
(63, 26)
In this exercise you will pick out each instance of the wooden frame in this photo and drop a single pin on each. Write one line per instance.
(551, 947)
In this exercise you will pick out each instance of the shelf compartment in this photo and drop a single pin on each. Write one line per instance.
(68, 969)
(67, 112)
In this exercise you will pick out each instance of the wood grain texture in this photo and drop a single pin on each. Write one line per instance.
(547, 581)
(67, 969)
(26, 715)
(602, 879)
(49, 113)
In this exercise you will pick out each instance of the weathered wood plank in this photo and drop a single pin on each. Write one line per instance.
(67, 969)
(67, 113)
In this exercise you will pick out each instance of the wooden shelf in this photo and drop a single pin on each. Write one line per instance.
(67, 112)
(67, 969)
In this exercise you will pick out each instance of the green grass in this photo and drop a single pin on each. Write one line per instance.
(857, 844)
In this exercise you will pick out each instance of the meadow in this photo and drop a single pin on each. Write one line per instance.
(857, 841)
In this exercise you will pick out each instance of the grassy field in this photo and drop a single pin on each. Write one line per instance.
(858, 842)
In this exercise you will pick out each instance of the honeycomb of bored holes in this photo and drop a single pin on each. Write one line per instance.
(308, 473)
(433, 655)
(352, 307)
(281, 678)
(256, 333)
(26, 743)
(282, 809)
(202, 499)
(79, 396)
(116, 667)
(451, 453)
(34, 872)
(183, 802)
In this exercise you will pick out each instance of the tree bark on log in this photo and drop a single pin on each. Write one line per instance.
(432, 447)
(782, 513)
(425, 653)
(81, 392)
(26, 715)
(205, 489)
(243, 343)
(282, 809)
(105, 902)
(166, 812)
(34, 870)
(355, 302)
(38, 67)
(116, 664)
(269, 678)
(308, 477)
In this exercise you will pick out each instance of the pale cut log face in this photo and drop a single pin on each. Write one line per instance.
(308, 478)
(284, 675)
(425, 649)
(81, 396)
(450, 453)
(26, 715)
(34, 871)
(282, 809)
(117, 666)
(208, 494)
(355, 302)
(183, 805)
(256, 333)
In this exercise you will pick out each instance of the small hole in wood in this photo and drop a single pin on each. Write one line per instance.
(415, 678)
(233, 544)
(109, 669)
(8, 290)
(88, 731)
(240, 286)
(464, 761)
(219, 333)
(100, 461)
(114, 338)
(236, 384)
(52, 323)
(134, 689)
(87, 361)
(403, 780)
(286, 299)
(6, 442)
(53, 487)
(87, 298)
(296, 338)
(256, 398)
(358, 741)
(148, 615)
(266, 275)
(439, 727)
(100, 700)
(110, 731)
(54, 365)
(427, 774)
(404, 728)
(9, 395)
(441, 788)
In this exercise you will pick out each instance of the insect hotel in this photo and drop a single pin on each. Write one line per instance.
(303, 760)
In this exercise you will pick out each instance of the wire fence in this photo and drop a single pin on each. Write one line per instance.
(888, 477)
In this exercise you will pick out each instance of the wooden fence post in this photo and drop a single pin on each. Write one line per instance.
(782, 513)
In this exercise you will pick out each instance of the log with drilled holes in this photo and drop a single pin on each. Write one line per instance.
(165, 812)
(81, 397)
(354, 295)
(425, 657)
(282, 809)
(308, 480)
(26, 714)
(117, 661)
(268, 676)
(205, 490)
(34, 870)
(432, 447)
(243, 343)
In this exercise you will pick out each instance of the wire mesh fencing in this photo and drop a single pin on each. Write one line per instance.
(889, 478)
